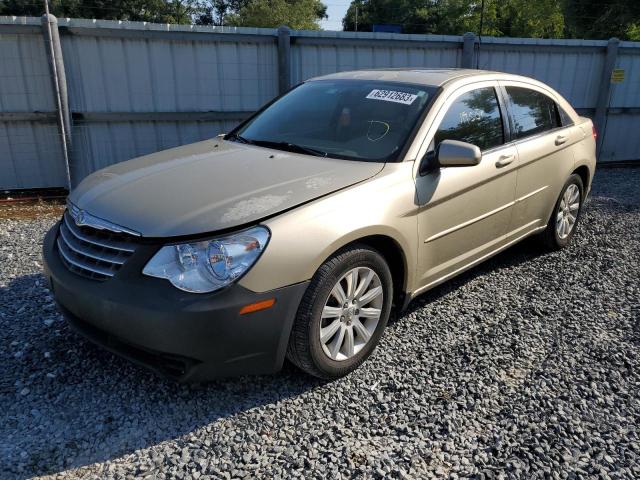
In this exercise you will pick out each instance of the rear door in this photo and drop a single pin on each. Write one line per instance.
(543, 143)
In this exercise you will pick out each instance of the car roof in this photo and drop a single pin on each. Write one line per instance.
(441, 77)
(423, 76)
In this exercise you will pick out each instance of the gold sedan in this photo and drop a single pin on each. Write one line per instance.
(296, 234)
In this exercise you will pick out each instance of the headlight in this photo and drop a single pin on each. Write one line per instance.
(202, 267)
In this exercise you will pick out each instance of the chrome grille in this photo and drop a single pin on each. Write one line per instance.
(92, 253)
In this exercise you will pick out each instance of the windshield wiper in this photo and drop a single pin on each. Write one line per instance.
(239, 138)
(290, 147)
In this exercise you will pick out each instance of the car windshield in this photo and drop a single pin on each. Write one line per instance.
(349, 119)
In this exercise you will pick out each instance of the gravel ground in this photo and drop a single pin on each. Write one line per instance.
(528, 366)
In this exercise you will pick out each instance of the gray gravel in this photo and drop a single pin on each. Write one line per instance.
(528, 366)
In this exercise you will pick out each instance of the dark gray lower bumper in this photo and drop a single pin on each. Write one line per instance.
(189, 337)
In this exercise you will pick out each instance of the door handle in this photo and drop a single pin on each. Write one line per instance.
(560, 139)
(505, 160)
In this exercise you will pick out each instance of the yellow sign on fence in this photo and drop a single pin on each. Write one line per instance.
(617, 76)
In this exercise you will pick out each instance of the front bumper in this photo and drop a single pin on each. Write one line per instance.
(185, 336)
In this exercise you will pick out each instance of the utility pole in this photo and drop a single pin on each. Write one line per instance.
(481, 18)
(58, 76)
(356, 17)
(480, 35)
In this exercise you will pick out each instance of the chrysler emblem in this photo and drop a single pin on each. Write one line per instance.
(85, 219)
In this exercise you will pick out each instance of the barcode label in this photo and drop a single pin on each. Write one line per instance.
(392, 96)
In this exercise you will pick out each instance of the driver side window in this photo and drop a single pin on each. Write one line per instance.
(474, 118)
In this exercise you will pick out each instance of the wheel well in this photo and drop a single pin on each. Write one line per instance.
(584, 175)
(394, 256)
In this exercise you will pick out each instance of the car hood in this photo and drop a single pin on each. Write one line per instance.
(209, 186)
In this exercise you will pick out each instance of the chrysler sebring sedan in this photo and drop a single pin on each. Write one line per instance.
(298, 233)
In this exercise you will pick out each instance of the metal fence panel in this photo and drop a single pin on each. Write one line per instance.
(30, 152)
(135, 88)
(141, 75)
(627, 93)
(159, 72)
(320, 53)
(622, 137)
(104, 143)
(24, 74)
(30, 156)
(572, 67)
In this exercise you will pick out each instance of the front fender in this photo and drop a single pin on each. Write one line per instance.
(303, 238)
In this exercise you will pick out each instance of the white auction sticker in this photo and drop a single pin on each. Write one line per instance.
(392, 96)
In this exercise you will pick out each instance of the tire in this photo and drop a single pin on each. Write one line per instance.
(306, 350)
(553, 237)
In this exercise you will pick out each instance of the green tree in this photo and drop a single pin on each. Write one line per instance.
(513, 18)
(455, 17)
(602, 19)
(524, 18)
(599, 19)
(415, 16)
(218, 12)
(297, 14)
(542, 18)
(161, 11)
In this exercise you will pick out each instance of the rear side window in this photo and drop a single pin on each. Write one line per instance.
(473, 118)
(565, 119)
(533, 112)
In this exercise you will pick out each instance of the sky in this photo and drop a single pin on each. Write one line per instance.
(336, 10)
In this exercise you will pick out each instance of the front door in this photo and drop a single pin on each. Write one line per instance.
(465, 211)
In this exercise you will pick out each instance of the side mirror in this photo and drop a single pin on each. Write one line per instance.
(451, 153)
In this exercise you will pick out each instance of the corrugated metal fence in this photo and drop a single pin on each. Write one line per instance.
(135, 88)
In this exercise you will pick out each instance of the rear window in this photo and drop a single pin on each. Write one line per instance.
(533, 112)
(565, 119)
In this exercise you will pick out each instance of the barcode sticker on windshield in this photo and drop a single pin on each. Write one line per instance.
(392, 96)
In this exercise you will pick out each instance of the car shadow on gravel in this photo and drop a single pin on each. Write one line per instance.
(68, 403)
(521, 252)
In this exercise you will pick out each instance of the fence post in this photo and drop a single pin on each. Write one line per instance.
(468, 50)
(604, 92)
(59, 79)
(284, 59)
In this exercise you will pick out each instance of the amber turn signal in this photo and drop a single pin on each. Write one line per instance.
(256, 307)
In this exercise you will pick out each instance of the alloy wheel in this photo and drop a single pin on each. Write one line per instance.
(351, 313)
(568, 211)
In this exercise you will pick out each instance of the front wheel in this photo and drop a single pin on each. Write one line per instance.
(342, 314)
(566, 213)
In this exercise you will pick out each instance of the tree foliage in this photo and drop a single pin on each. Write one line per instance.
(594, 19)
(299, 14)
(603, 19)
(162, 11)
(515, 18)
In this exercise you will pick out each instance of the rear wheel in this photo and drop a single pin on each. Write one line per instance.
(342, 314)
(566, 214)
